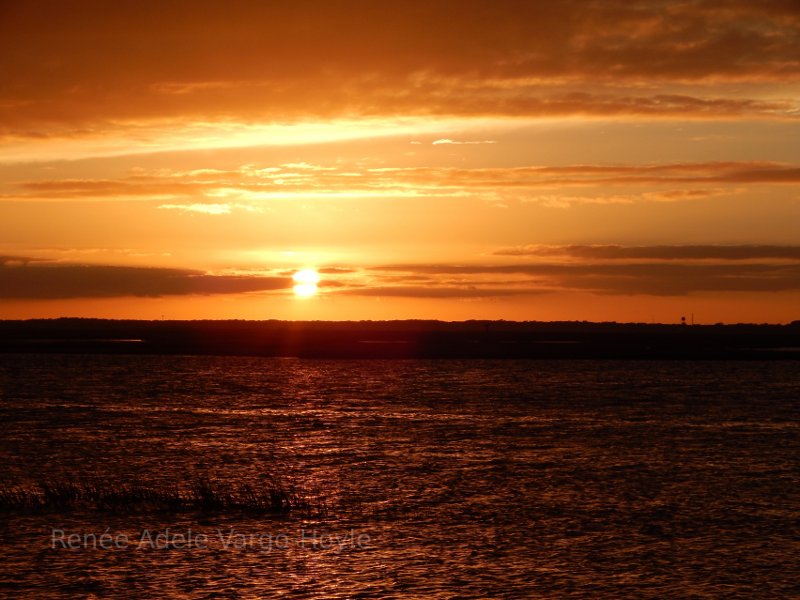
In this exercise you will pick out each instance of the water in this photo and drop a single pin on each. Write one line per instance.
(438, 479)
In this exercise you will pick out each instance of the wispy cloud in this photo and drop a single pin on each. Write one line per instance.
(447, 141)
(680, 195)
(219, 191)
(690, 252)
(210, 209)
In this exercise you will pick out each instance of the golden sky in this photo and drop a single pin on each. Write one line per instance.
(598, 160)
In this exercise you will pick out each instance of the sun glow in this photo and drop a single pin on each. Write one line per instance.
(132, 137)
(306, 281)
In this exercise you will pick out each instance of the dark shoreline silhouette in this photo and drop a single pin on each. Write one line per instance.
(403, 339)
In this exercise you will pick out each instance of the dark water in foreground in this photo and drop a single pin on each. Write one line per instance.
(469, 479)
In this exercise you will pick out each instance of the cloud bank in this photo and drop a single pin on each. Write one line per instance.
(607, 270)
(91, 63)
(26, 278)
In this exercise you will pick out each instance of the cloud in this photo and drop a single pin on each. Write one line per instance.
(92, 65)
(22, 278)
(210, 209)
(755, 172)
(17, 261)
(607, 270)
(396, 291)
(568, 201)
(692, 252)
(447, 141)
(205, 189)
(656, 279)
(335, 270)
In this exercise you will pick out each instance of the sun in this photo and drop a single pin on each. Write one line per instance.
(306, 281)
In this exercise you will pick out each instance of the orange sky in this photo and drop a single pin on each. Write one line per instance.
(614, 160)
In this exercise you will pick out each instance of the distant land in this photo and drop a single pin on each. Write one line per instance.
(403, 339)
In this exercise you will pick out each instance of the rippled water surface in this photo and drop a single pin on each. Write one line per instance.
(469, 479)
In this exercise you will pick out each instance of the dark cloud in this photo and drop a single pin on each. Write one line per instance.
(744, 252)
(20, 278)
(89, 63)
(438, 292)
(675, 280)
(25, 278)
(12, 261)
(660, 279)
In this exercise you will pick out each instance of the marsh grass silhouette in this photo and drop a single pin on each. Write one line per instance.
(200, 495)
